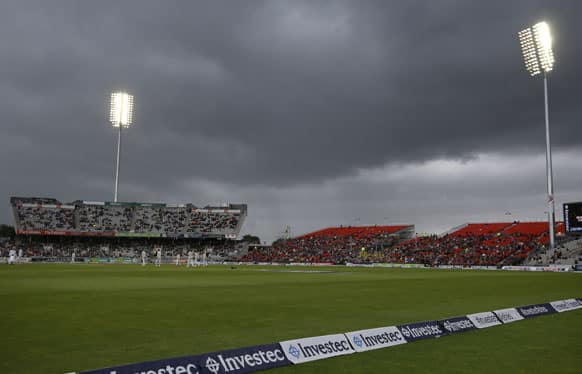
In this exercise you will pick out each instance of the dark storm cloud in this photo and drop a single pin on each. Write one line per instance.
(270, 93)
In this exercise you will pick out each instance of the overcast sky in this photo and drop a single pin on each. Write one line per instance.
(314, 113)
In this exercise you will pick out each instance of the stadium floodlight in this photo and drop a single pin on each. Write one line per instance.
(120, 116)
(121, 113)
(536, 46)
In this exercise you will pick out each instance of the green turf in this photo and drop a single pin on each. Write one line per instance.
(60, 318)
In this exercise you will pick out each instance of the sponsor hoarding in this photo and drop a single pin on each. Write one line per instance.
(244, 360)
(421, 330)
(234, 361)
(303, 350)
(535, 310)
(554, 268)
(479, 267)
(74, 233)
(128, 234)
(185, 365)
(367, 340)
(566, 305)
(484, 320)
(457, 324)
(508, 315)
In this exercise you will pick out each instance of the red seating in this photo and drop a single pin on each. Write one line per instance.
(473, 229)
(531, 228)
(502, 243)
(356, 231)
(334, 244)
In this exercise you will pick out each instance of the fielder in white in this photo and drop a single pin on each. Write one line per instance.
(178, 259)
(73, 257)
(143, 257)
(12, 257)
(204, 261)
(189, 264)
(20, 256)
(196, 259)
(159, 257)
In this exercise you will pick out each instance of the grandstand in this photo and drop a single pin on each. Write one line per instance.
(481, 244)
(48, 230)
(106, 229)
(334, 245)
(48, 216)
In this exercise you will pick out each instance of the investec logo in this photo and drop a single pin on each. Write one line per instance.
(168, 369)
(484, 320)
(508, 315)
(534, 310)
(454, 325)
(420, 330)
(224, 363)
(565, 305)
(313, 350)
(316, 348)
(366, 340)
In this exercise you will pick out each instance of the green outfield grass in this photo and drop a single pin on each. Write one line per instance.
(61, 318)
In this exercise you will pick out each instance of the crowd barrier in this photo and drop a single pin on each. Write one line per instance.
(172, 259)
(551, 268)
(554, 268)
(303, 350)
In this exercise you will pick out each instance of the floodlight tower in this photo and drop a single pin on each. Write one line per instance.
(120, 116)
(536, 46)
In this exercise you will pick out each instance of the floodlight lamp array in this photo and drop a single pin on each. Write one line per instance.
(121, 111)
(529, 52)
(536, 46)
(543, 40)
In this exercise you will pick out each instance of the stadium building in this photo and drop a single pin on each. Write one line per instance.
(48, 230)
(122, 229)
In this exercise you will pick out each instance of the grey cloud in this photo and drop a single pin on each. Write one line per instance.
(270, 94)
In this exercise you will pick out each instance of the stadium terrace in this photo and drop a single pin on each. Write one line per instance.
(48, 216)
(89, 231)
(474, 244)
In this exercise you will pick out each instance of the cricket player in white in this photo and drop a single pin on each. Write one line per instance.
(189, 264)
(12, 257)
(159, 257)
(196, 259)
(178, 259)
(73, 257)
(204, 262)
(20, 256)
(143, 257)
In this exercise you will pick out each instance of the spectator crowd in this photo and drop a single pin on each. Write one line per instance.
(38, 218)
(335, 245)
(95, 247)
(475, 244)
(50, 215)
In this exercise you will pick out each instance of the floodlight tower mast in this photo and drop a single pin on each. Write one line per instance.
(536, 46)
(120, 116)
